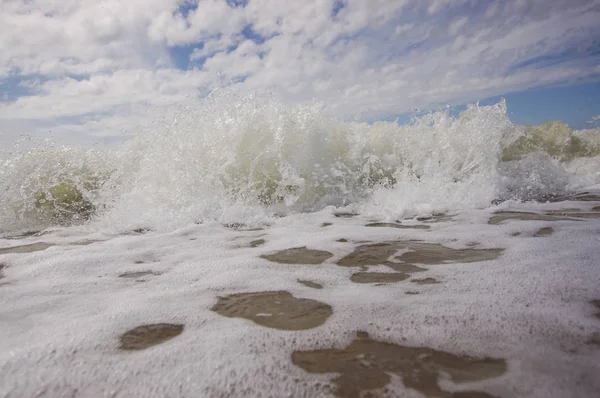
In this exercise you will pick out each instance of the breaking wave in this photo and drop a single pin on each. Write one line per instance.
(234, 159)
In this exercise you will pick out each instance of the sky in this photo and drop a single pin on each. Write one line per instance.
(82, 70)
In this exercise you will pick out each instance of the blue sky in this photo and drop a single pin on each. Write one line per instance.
(86, 69)
(573, 104)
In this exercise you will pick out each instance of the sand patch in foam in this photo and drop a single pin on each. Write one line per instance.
(257, 242)
(396, 225)
(546, 231)
(146, 336)
(588, 215)
(430, 253)
(425, 281)
(378, 254)
(242, 227)
(138, 274)
(378, 277)
(501, 216)
(435, 218)
(278, 310)
(366, 365)
(345, 215)
(310, 284)
(27, 234)
(33, 247)
(418, 253)
(298, 255)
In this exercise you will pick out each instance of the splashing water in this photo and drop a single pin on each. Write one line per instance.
(248, 159)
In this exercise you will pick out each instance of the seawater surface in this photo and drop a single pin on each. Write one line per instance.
(250, 160)
(243, 247)
(496, 302)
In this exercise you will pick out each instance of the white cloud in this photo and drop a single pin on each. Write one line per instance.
(209, 18)
(100, 93)
(436, 6)
(105, 61)
(492, 9)
(402, 28)
(456, 25)
(59, 37)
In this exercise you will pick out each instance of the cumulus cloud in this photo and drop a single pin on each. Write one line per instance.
(78, 37)
(94, 66)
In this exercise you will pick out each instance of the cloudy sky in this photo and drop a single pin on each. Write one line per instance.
(83, 69)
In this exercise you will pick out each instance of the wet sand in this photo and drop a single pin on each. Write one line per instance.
(310, 284)
(146, 336)
(365, 365)
(378, 277)
(503, 216)
(545, 231)
(138, 274)
(396, 225)
(425, 281)
(33, 247)
(298, 255)
(279, 310)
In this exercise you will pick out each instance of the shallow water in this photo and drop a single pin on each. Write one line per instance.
(33, 247)
(366, 365)
(217, 316)
(146, 336)
(279, 310)
(423, 237)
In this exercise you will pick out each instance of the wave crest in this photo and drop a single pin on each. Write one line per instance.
(246, 159)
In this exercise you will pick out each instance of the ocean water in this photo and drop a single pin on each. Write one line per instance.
(248, 160)
(242, 247)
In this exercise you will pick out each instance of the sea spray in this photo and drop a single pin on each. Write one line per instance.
(246, 160)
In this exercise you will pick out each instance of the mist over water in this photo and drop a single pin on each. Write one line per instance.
(247, 160)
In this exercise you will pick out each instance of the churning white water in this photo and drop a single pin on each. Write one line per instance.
(250, 159)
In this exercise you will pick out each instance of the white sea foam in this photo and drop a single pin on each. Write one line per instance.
(62, 309)
(248, 160)
(251, 161)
